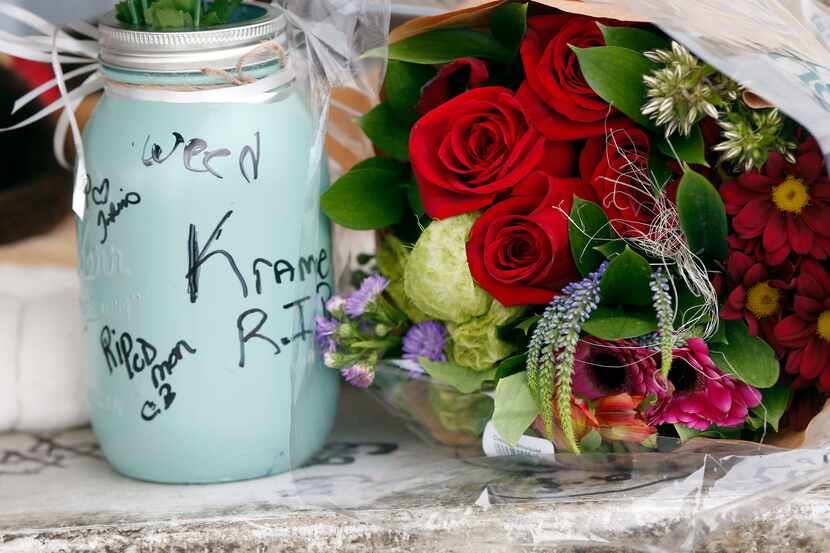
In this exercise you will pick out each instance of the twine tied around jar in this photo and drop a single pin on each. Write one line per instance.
(241, 78)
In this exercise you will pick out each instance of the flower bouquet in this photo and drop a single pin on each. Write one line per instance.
(587, 234)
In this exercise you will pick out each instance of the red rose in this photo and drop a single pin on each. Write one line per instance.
(518, 249)
(617, 170)
(451, 80)
(476, 146)
(556, 97)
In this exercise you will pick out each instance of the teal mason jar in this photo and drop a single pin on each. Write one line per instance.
(199, 286)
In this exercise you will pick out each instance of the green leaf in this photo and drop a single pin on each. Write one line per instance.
(371, 195)
(688, 309)
(690, 149)
(167, 18)
(511, 366)
(774, 403)
(386, 132)
(515, 408)
(658, 168)
(720, 334)
(747, 358)
(592, 441)
(626, 280)
(224, 8)
(702, 216)
(612, 248)
(528, 323)
(588, 228)
(632, 38)
(615, 324)
(462, 379)
(616, 75)
(509, 24)
(687, 433)
(404, 82)
(413, 195)
(445, 45)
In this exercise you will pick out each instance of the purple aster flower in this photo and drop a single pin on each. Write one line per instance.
(371, 288)
(359, 375)
(426, 339)
(324, 333)
(335, 304)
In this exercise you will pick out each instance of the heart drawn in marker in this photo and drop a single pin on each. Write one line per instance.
(100, 194)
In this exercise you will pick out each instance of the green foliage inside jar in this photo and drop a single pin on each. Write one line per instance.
(175, 14)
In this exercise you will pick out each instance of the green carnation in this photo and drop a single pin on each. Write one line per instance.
(391, 259)
(437, 278)
(475, 344)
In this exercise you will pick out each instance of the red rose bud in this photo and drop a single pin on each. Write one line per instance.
(518, 249)
(616, 167)
(476, 146)
(452, 79)
(557, 99)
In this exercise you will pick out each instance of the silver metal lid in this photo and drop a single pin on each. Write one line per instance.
(218, 47)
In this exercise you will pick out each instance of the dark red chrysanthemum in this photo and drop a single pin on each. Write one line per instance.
(756, 295)
(787, 206)
(806, 334)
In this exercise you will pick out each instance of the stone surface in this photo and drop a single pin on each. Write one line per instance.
(377, 487)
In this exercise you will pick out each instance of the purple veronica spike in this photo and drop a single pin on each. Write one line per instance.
(426, 339)
(370, 289)
(359, 375)
(324, 334)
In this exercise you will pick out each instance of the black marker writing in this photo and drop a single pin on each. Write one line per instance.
(197, 147)
(197, 258)
(110, 217)
(245, 336)
(156, 151)
(137, 354)
(197, 157)
(248, 152)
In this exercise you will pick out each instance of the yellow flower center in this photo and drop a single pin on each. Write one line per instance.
(823, 327)
(762, 300)
(792, 195)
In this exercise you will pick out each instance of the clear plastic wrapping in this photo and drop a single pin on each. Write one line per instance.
(678, 496)
(326, 40)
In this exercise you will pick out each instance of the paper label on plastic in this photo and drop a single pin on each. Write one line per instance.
(495, 446)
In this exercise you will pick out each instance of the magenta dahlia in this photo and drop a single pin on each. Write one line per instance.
(786, 205)
(806, 334)
(702, 394)
(604, 368)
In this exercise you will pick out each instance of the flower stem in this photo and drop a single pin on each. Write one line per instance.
(197, 12)
(134, 15)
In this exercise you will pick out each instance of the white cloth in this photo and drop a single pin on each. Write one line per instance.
(42, 378)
